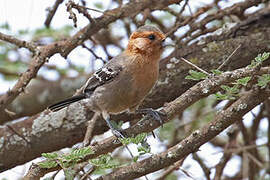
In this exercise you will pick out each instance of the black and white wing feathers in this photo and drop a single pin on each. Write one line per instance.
(100, 77)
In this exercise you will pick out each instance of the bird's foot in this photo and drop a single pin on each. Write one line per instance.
(155, 114)
(117, 132)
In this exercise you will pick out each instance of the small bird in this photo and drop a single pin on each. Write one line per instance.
(122, 84)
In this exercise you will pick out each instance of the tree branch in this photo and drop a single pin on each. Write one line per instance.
(200, 90)
(192, 142)
(20, 43)
(51, 13)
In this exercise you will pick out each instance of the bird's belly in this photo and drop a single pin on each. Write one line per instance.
(115, 97)
(118, 99)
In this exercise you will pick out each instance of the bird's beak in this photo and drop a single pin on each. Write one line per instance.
(163, 44)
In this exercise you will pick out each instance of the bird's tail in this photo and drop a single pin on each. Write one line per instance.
(66, 102)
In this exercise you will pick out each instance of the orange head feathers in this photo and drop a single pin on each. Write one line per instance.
(147, 41)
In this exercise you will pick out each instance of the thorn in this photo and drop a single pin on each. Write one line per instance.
(227, 60)
(193, 65)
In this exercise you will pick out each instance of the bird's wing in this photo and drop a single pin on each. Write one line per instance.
(102, 76)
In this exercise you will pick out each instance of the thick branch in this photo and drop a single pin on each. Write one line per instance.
(40, 94)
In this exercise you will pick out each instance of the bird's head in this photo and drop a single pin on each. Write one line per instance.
(147, 41)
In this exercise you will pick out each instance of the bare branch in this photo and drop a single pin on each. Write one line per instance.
(193, 65)
(20, 43)
(229, 57)
(52, 12)
(205, 169)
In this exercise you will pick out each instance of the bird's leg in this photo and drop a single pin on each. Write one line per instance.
(117, 132)
(155, 114)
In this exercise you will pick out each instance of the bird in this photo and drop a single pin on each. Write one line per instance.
(123, 83)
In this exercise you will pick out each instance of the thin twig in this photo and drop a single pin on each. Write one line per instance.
(227, 60)
(72, 15)
(10, 113)
(186, 173)
(202, 164)
(103, 12)
(53, 176)
(52, 12)
(172, 168)
(81, 9)
(254, 159)
(94, 54)
(193, 65)
(244, 148)
(184, 7)
(85, 176)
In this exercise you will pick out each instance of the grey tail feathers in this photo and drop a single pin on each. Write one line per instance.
(66, 102)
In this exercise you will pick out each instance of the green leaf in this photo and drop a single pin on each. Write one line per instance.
(221, 96)
(117, 125)
(195, 75)
(50, 155)
(105, 161)
(136, 140)
(230, 94)
(75, 156)
(259, 59)
(243, 81)
(125, 141)
(139, 138)
(47, 164)
(216, 71)
(231, 90)
(82, 152)
(263, 80)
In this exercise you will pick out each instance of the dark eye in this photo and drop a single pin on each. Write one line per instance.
(152, 37)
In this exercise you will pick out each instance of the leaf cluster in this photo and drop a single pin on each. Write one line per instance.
(65, 160)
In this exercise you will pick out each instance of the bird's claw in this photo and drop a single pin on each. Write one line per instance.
(155, 114)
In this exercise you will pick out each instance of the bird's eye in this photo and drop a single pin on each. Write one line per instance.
(151, 37)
